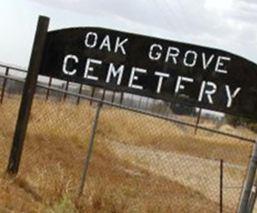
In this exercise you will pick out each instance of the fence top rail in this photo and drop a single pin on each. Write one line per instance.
(13, 68)
(97, 100)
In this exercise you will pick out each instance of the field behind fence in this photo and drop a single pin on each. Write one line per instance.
(145, 157)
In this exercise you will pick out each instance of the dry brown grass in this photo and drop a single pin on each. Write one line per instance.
(137, 129)
(55, 149)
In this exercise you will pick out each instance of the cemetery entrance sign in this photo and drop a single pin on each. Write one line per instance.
(162, 69)
(152, 67)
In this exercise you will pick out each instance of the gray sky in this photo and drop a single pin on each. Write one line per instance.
(224, 24)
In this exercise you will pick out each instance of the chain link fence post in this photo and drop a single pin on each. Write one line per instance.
(90, 148)
(253, 196)
(247, 188)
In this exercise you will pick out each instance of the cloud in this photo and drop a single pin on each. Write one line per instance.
(228, 25)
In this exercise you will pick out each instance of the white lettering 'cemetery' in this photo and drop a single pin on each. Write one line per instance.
(114, 72)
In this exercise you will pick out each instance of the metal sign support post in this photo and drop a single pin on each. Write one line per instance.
(27, 95)
(90, 147)
(244, 201)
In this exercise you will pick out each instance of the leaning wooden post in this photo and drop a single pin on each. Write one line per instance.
(27, 95)
(244, 201)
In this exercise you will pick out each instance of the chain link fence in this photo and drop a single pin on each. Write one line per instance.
(146, 157)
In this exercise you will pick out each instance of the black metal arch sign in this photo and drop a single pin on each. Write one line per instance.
(153, 67)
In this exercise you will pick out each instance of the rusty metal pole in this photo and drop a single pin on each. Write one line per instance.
(4, 85)
(48, 89)
(80, 90)
(92, 95)
(66, 89)
(198, 120)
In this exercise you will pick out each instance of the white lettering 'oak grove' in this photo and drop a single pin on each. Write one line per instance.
(92, 41)
(190, 58)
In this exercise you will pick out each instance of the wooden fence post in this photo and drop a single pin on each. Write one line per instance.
(27, 95)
